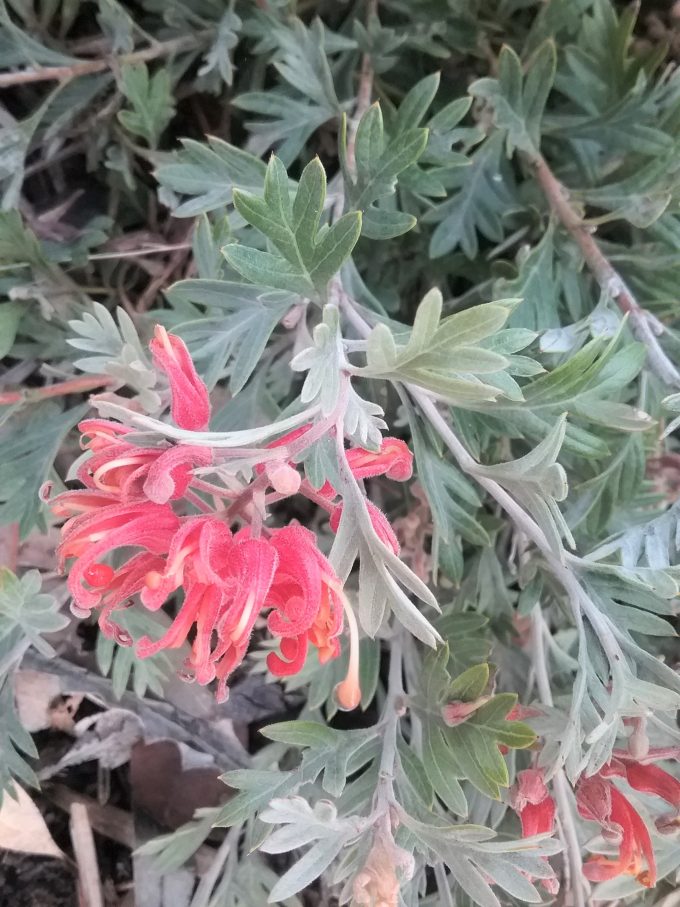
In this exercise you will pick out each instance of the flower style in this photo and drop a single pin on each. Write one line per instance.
(599, 800)
(535, 807)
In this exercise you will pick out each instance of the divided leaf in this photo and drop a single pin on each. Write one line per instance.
(446, 357)
(469, 748)
(518, 99)
(307, 255)
(151, 99)
(379, 160)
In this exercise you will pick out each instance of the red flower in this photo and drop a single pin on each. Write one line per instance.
(307, 606)
(649, 779)
(535, 807)
(190, 406)
(226, 579)
(601, 802)
(393, 460)
(136, 473)
(94, 533)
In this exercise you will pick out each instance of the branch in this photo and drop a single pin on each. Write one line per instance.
(363, 94)
(645, 326)
(363, 102)
(72, 386)
(87, 67)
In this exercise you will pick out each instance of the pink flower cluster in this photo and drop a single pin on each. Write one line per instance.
(131, 504)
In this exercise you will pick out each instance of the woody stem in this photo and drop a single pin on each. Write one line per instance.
(62, 389)
(113, 62)
(610, 281)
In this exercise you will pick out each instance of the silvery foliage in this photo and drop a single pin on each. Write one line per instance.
(538, 421)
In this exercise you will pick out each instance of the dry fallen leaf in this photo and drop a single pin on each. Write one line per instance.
(34, 691)
(22, 827)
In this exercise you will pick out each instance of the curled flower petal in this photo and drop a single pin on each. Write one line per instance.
(601, 801)
(190, 405)
(169, 475)
(393, 460)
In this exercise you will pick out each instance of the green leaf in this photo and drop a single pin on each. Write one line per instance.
(151, 100)
(256, 789)
(219, 57)
(29, 442)
(470, 685)
(26, 614)
(306, 257)
(10, 316)
(14, 742)
(208, 173)
(485, 195)
(470, 749)
(326, 750)
(226, 325)
(452, 498)
(379, 160)
(518, 100)
(538, 482)
(444, 357)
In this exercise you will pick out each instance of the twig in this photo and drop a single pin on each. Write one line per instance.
(645, 326)
(160, 719)
(87, 67)
(363, 94)
(86, 857)
(72, 386)
(363, 102)
(107, 820)
(140, 253)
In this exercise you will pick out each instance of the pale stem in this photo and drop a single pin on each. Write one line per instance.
(559, 781)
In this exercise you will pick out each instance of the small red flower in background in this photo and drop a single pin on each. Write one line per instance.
(601, 802)
(531, 800)
(229, 580)
(648, 779)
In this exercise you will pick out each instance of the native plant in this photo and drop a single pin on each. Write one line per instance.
(388, 420)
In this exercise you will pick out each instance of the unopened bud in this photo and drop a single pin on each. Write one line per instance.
(457, 712)
(283, 477)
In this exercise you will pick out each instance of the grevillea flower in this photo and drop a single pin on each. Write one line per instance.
(600, 801)
(306, 602)
(393, 460)
(381, 525)
(93, 534)
(190, 405)
(227, 580)
(649, 779)
(133, 473)
(531, 800)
